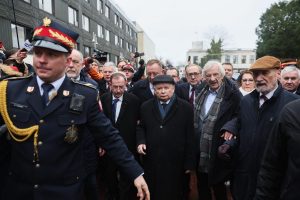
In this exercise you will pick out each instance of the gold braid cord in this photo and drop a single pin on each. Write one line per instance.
(18, 134)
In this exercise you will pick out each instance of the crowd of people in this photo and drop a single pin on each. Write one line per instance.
(79, 128)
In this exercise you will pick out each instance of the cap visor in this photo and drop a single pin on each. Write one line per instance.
(49, 45)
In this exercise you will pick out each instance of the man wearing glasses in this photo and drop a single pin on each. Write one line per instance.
(189, 90)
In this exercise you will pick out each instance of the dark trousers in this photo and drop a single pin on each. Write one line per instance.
(207, 192)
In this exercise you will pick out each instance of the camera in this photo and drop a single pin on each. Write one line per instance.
(101, 56)
(137, 54)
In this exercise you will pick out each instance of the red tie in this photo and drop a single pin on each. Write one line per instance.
(191, 99)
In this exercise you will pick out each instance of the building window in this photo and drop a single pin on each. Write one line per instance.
(107, 12)
(28, 1)
(121, 42)
(127, 46)
(195, 60)
(100, 31)
(46, 5)
(235, 59)
(107, 35)
(121, 23)
(73, 16)
(227, 58)
(100, 6)
(116, 18)
(87, 51)
(116, 40)
(85, 23)
(21, 35)
(244, 58)
(252, 59)
(86, 1)
(127, 29)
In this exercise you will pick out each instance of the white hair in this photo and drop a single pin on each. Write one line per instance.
(110, 64)
(211, 64)
(290, 69)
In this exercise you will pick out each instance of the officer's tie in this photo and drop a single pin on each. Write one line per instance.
(114, 108)
(47, 87)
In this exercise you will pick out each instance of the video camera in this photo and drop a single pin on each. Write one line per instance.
(101, 56)
(137, 54)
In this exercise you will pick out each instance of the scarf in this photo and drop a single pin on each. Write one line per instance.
(205, 124)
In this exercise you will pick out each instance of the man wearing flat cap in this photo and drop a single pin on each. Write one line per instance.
(47, 116)
(129, 72)
(257, 115)
(165, 139)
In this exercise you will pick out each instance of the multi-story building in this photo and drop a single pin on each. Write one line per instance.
(145, 44)
(240, 58)
(100, 24)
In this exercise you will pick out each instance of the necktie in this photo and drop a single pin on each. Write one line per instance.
(263, 99)
(191, 99)
(114, 106)
(47, 87)
(164, 105)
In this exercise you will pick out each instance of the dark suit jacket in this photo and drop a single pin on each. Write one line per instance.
(60, 172)
(183, 91)
(127, 119)
(142, 90)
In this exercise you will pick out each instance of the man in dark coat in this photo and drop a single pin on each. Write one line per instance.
(257, 113)
(280, 169)
(47, 116)
(216, 104)
(144, 89)
(122, 108)
(166, 140)
(189, 90)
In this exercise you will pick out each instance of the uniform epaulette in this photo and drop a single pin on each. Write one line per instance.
(19, 77)
(85, 84)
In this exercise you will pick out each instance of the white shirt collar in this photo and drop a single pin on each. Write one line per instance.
(270, 94)
(167, 102)
(56, 84)
(120, 98)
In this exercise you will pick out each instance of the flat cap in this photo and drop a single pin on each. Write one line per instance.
(163, 79)
(265, 63)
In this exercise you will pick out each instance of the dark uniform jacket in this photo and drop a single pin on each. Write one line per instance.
(254, 125)
(60, 170)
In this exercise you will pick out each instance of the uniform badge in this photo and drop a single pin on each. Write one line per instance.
(30, 89)
(66, 93)
(46, 21)
(71, 134)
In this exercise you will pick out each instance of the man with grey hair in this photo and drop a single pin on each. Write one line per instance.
(257, 113)
(216, 104)
(290, 79)
(107, 70)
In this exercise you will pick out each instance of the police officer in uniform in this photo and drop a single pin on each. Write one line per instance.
(47, 116)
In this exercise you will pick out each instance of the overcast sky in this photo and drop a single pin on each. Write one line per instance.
(174, 24)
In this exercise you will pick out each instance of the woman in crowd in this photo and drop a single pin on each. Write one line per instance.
(246, 82)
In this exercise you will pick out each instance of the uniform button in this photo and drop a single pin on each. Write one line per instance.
(72, 121)
(14, 116)
(37, 165)
(77, 177)
(42, 121)
(40, 143)
(161, 126)
(36, 186)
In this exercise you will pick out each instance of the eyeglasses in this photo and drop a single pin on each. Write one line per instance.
(193, 74)
(247, 80)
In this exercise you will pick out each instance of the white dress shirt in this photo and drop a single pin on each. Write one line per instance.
(118, 106)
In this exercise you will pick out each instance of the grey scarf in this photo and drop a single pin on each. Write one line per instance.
(205, 124)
